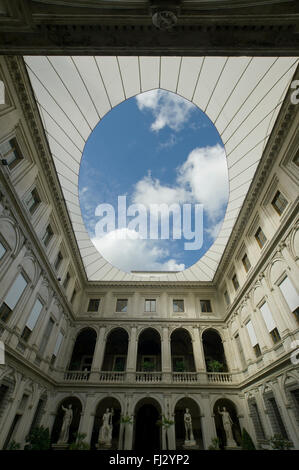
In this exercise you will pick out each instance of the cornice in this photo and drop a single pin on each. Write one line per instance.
(287, 115)
(22, 84)
(93, 27)
(283, 231)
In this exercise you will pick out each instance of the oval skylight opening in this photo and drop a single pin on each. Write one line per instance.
(153, 183)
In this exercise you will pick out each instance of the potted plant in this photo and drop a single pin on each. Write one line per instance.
(179, 366)
(215, 366)
(247, 442)
(38, 439)
(165, 423)
(79, 443)
(278, 442)
(125, 420)
(148, 366)
(215, 444)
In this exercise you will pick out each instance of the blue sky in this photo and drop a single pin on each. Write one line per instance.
(154, 148)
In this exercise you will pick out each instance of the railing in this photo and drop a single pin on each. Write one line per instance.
(148, 377)
(219, 377)
(78, 375)
(111, 377)
(184, 377)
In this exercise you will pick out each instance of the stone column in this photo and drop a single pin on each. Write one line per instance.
(132, 355)
(12, 409)
(199, 356)
(228, 351)
(166, 355)
(86, 422)
(98, 355)
(291, 427)
(249, 422)
(208, 427)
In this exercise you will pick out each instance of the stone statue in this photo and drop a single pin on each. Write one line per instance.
(189, 438)
(105, 434)
(227, 424)
(65, 428)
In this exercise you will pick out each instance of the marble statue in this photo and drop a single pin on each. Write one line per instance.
(227, 424)
(105, 434)
(189, 437)
(65, 428)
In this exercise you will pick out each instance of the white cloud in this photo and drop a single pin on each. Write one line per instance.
(213, 230)
(167, 108)
(151, 191)
(128, 251)
(203, 178)
(205, 174)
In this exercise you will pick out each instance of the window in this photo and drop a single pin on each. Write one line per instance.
(33, 317)
(178, 364)
(246, 263)
(253, 338)
(255, 416)
(275, 418)
(227, 299)
(46, 336)
(12, 297)
(11, 152)
(32, 201)
(279, 203)
(47, 235)
(121, 305)
(270, 323)
(260, 237)
(290, 295)
(275, 335)
(235, 282)
(205, 306)
(26, 333)
(257, 350)
(66, 280)
(58, 260)
(2, 250)
(149, 363)
(5, 312)
(37, 415)
(296, 158)
(178, 305)
(240, 350)
(57, 347)
(93, 305)
(119, 363)
(150, 305)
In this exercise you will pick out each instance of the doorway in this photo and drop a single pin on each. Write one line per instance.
(147, 432)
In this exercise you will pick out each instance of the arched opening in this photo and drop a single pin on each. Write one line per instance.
(147, 433)
(113, 405)
(83, 350)
(74, 426)
(149, 351)
(225, 405)
(213, 351)
(116, 351)
(180, 429)
(182, 351)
